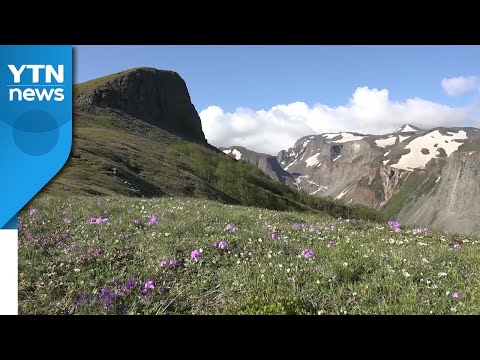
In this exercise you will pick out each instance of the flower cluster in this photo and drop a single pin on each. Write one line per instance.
(98, 220)
(221, 245)
(307, 253)
(152, 219)
(420, 231)
(195, 254)
(274, 235)
(95, 251)
(330, 244)
(328, 228)
(395, 225)
(172, 262)
(297, 226)
(231, 227)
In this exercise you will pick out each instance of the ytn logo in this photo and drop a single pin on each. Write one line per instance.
(31, 89)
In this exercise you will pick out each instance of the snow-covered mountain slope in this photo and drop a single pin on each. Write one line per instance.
(406, 173)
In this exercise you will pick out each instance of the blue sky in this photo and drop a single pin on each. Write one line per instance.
(261, 77)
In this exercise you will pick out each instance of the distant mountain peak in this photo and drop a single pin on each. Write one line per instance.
(406, 128)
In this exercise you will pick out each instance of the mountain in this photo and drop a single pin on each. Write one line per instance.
(265, 162)
(137, 134)
(157, 97)
(427, 177)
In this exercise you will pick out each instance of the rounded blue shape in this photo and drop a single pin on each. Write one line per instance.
(36, 132)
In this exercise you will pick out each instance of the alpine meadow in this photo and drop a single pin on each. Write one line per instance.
(148, 217)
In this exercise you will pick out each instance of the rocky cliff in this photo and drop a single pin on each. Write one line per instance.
(158, 97)
(267, 163)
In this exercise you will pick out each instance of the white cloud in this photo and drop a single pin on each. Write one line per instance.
(369, 111)
(456, 86)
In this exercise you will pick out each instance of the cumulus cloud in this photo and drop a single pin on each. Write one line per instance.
(456, 86)
(369, 111)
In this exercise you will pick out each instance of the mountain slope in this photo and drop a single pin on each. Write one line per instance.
(427, 177)
(120, 148)
(265, 162)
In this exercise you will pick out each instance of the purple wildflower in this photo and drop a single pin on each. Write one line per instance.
(330, 244)
(33, 211)
(130, 284)
(137, 222)
(223, 245)
(297, 226)
(456, 294)
(457, 246)
(149, 285)
(98, 220)
(231, 227)
(106, 297)
(274, 235)
(307, 253)
(174, 262)
(215, 244)
(95, 251)
(164, 263)
(67, 221)
(195, 254)
(152, 219)
(81, 299)
(395, 226)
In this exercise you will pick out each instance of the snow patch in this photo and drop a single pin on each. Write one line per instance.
(305, 143)
(299, 179)
(346, 137)
(416, 159)
(388, 152)
(313, 160)
(227, 151)
(402, 138)
(385, 162)
(339, 196)
(237, 154)
(321, 188)
(337, 158)
(408, 128)
(436, 182)
(291, 164)
(386, 142)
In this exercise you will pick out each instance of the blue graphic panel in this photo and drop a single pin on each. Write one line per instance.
(35, 121)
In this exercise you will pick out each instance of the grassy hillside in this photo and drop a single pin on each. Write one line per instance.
(68, 265)
(114, 154)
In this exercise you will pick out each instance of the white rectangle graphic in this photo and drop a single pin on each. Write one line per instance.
(9, 272)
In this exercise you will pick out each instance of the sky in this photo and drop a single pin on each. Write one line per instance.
(266, 97)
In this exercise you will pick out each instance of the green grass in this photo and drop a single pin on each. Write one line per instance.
(369, 270)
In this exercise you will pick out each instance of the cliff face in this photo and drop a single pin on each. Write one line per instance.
(454, 203)
(267, 163)
(158, 97)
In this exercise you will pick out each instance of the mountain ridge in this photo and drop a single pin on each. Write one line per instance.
(399, 173)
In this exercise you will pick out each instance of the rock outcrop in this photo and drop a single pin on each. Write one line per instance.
(158, 97)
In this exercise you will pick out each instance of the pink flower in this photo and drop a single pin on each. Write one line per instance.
(307, 253)
(195, 254)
